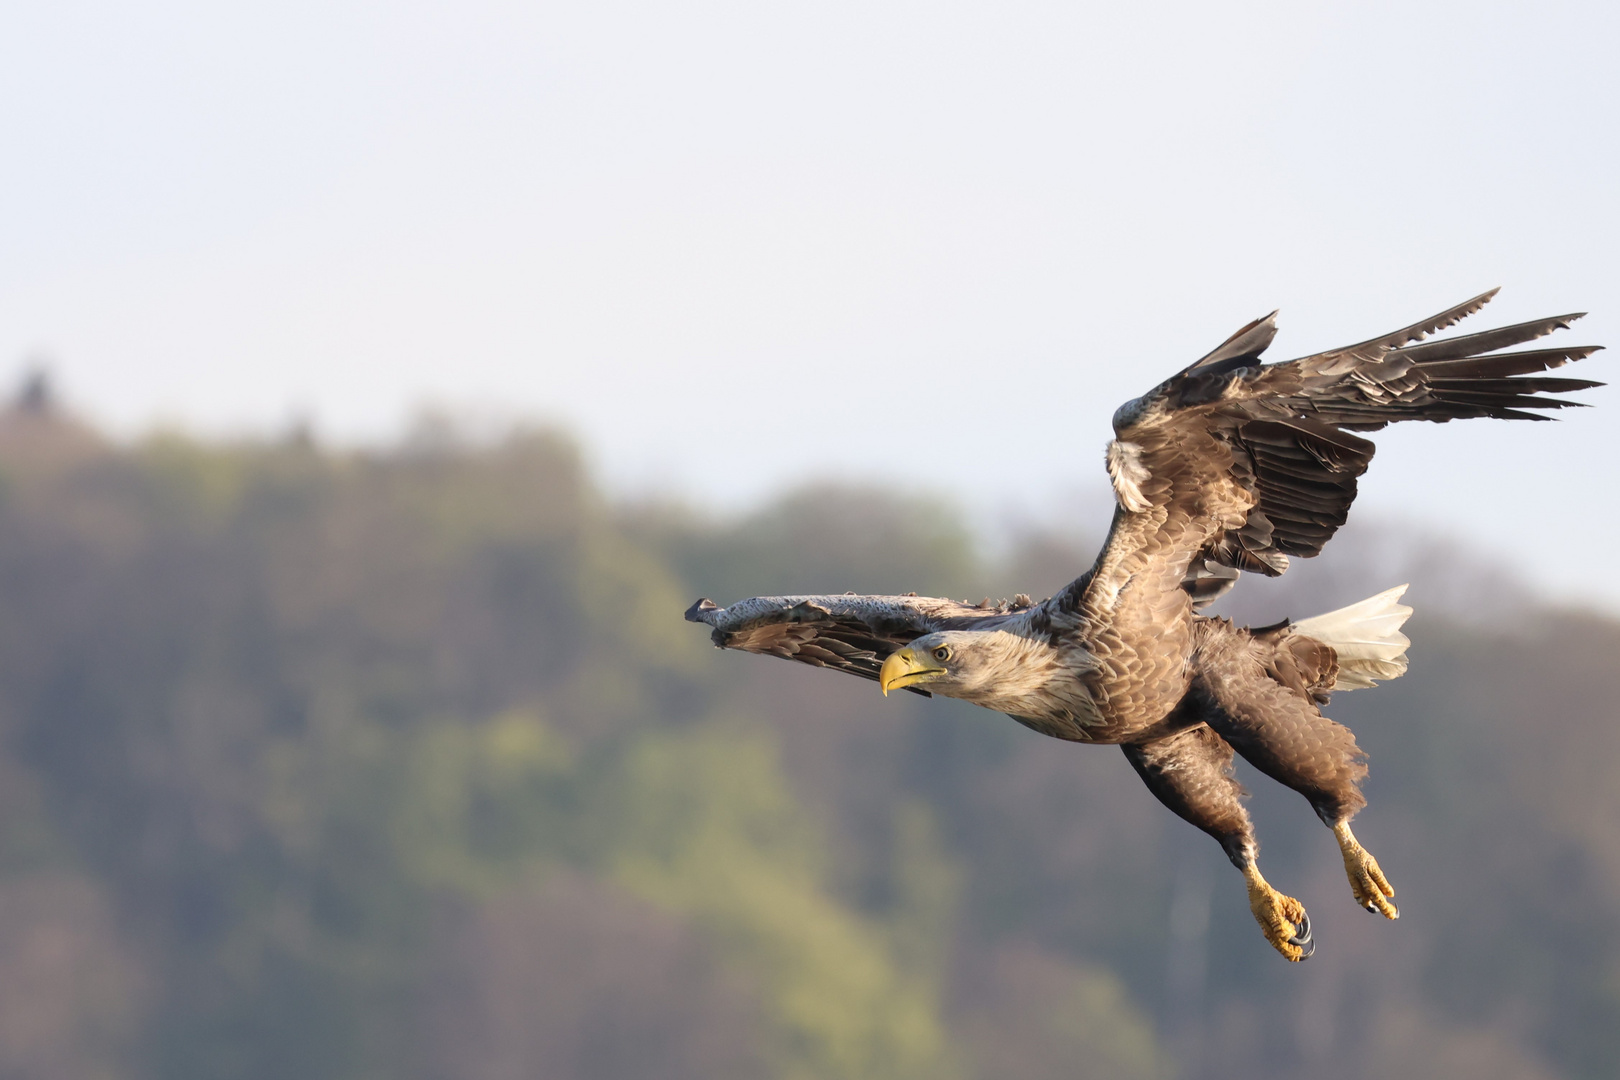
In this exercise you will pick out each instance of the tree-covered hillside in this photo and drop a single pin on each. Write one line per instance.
(403, 764)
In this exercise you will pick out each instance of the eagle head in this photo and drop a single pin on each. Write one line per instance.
(955, 663)
(1026, 676)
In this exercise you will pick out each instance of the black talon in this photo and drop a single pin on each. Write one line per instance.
(1371, 907)
(1302, 937)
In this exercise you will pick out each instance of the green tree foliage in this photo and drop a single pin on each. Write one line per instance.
(402, 764)
(709, 828)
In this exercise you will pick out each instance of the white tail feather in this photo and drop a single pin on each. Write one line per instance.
(1367, 638)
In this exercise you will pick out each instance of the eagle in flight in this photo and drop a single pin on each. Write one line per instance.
(1229, 465)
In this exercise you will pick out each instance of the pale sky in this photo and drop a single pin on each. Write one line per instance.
(735, 246)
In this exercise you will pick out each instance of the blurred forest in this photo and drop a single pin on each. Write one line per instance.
(403, 764)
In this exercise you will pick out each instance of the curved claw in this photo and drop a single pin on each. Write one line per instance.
(1368, 884)
(1282, 918)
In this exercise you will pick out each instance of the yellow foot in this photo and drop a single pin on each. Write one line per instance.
(1282, 918)
(1371, 887)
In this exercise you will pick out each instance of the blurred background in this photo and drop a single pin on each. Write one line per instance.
(389, 379)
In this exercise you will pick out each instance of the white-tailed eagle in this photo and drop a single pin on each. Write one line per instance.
(1229, 465)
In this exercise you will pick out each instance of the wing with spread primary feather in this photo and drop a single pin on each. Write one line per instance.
(849, 633)
(1268, 454)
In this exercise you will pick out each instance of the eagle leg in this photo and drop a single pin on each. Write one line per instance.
(1190, 771)
(1371, 888)
(1277, 727)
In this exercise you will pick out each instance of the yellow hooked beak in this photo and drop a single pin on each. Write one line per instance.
(905, 668)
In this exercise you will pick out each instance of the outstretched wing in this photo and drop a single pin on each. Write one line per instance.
(1266, 452)
(850, 633)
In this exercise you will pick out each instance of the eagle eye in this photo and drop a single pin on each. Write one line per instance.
(942, 653)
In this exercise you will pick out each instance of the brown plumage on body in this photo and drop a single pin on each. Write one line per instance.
(1230, 465)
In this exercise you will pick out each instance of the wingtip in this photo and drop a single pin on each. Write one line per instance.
(1471, 307)
(1246, 344)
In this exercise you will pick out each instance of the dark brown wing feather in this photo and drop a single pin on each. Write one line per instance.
(848, 633)
(1288, 429)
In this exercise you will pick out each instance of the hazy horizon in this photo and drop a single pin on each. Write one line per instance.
(736, 249)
